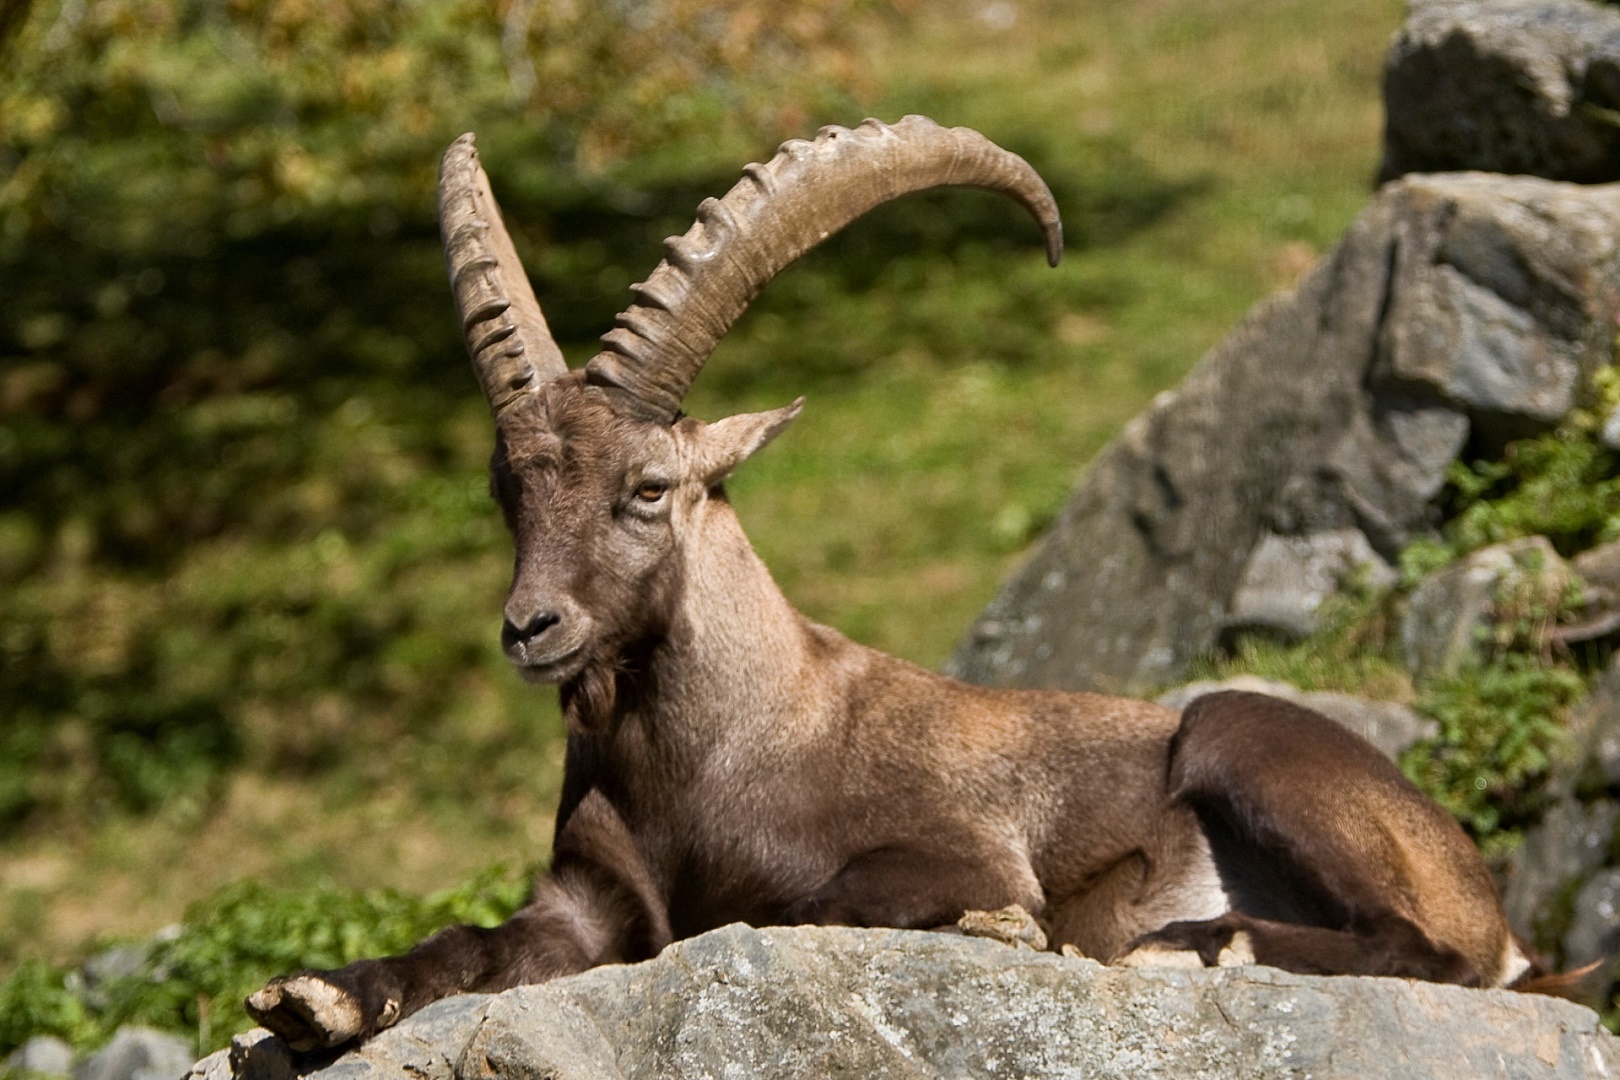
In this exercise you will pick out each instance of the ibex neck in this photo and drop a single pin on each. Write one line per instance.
(737, 657)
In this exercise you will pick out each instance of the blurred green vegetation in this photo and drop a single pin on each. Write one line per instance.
(249, 573)
(243, 511)
(192, 980)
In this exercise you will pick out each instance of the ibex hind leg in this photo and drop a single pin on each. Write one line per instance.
(1334, 862)
(1389, 946)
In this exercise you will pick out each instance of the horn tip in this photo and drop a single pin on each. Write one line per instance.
(460, 159)
(463, 148)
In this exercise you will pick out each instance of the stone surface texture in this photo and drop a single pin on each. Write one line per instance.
(1599, 567)
(1560, 888)
(1571, 841)
(43, 1055)
(812, 1001)
(1449, 616)
(1457, 311)
(1388, 725)
(137, 1053)
(1594, 933)
(1288, 578)
(1510, 86)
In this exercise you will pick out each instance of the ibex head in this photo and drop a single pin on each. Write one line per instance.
(601, 478)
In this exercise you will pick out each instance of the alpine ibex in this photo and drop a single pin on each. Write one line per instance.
(730, 760)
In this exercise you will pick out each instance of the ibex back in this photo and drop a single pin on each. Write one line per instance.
(730, 760)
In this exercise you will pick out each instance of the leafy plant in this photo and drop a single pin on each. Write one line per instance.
(192, 982)
(1564, 485)
(1352, 650)
(1500, 726)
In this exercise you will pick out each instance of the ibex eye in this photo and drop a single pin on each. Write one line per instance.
(651, 491)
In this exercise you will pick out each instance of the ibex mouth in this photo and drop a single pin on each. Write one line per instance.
(550, 669)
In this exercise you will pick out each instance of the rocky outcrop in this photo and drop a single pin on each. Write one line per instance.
(1288, 578)
(816, 1001)
(1458, 312)
(1562, 886)
(138, 1053)
(1449, 616)
(135, 1053)
(1510, 86)
(42, 1056)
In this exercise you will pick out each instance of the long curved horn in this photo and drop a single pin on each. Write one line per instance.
(776, 213)
(511, 347)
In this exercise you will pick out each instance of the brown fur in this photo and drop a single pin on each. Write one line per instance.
(730, 760)
(1367, 854)
(1584, 984)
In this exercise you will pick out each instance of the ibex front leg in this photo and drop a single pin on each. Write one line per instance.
(597, 905)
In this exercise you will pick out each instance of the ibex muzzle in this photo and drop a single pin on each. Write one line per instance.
(729, 759)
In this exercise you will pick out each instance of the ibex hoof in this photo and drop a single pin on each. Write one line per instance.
(1238, 952)
(1155, 955)
(309, 1013)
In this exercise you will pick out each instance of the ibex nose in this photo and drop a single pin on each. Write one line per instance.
(536, 624)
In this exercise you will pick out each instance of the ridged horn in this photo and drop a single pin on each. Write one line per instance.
(507, 338)
(776, 213)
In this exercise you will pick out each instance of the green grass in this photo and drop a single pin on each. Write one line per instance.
(193, 980)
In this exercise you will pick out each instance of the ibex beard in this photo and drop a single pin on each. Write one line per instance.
(728, 759)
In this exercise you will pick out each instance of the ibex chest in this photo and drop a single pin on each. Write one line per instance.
(730, 837)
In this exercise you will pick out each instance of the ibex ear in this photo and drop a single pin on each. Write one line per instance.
(723, 445)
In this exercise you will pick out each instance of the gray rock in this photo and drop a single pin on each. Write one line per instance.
(1450, 613)
(1576, 835)
(1288, 578)
(1600, 567)
(1455, 307)
(216, 1066)
(1601, 717)
(1610, 435)
(43, 1055)
(138, 1053)
(1388, 725)
(1594, 933)
(1512, 86)
(259, 1054)
(1570, 842)
(428, 1047)
(1487, 316)
(92, 979)
(823, 1001)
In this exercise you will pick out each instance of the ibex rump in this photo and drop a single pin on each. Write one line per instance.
(730, 760)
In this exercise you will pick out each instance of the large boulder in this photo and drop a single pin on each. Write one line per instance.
(813, 1001)
(1449, 616)
(1288, 578)
(1561, 888)
(1511, 86)
(1459, 311)
(40, 1057)
(138, 1053)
